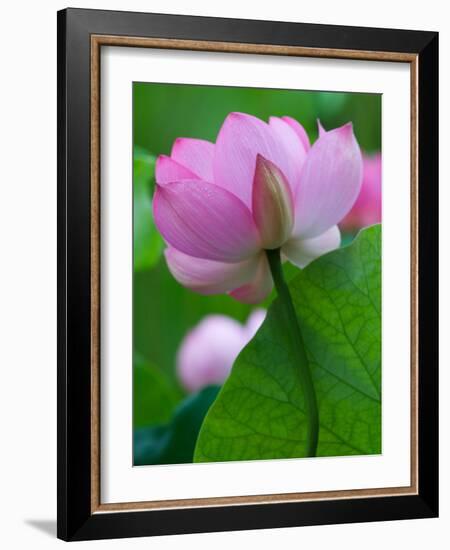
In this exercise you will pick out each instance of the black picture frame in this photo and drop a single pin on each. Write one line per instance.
(75, 518)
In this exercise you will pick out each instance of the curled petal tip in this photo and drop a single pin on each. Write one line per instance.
(195, 155)
(179, 143)
(346, 130)
(168, 170)
(176, 143)
(236, 115)
(299, 131)
(160, 159)
(322, 130)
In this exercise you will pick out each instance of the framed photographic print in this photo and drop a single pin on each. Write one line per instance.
(247, 256)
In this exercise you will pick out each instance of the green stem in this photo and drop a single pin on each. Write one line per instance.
(298, 347)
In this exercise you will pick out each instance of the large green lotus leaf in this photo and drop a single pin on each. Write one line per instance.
(174, 442)
(259, 412)
(148, 244)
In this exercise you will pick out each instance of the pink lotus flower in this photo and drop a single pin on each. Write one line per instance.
(367, 208)
(260, 186)
(209, 350)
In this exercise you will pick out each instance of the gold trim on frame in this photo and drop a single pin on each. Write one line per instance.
(97, 41)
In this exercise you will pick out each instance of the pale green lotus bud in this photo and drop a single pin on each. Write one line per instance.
(272, 204)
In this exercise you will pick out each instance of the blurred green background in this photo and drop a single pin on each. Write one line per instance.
(163, 311)
(163, 112)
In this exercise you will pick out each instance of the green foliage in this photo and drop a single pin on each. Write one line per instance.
(163, 112)
(154, 397)
(259, 413)
(174, 442)
(148, 243)
(163, 311)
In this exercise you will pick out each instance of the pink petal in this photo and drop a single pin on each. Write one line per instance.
(254, 322)
(240, 139)
(299, 130)
(205, 221)
(195, 154)
(292, 144)
(259, 288)
(320, 128)
(367, 208)
(208, 351)
(167, 171)
(208, 276)
(303, 251)
(330, 182)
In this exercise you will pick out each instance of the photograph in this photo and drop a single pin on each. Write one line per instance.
(256, 273)
(247, 258)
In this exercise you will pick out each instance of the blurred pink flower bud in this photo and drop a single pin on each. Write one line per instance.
(209, 350)
(367, 208)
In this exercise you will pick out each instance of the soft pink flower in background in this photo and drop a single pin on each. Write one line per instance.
(367, 208)
(209, 350)
(260, 186)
